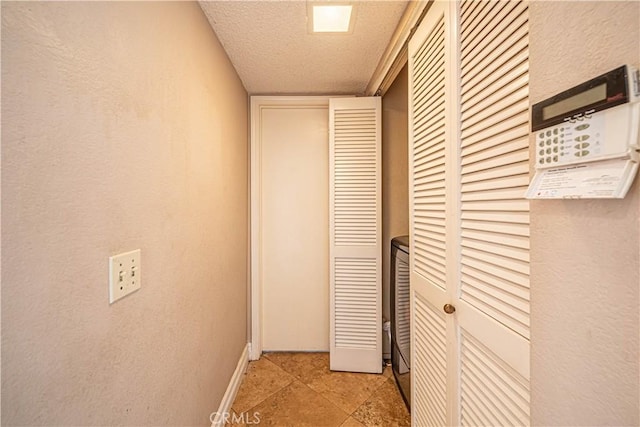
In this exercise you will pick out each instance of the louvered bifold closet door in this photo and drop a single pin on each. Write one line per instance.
(429, 157)
(355, 234)
(494, 216)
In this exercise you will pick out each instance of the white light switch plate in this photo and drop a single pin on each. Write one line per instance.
(124, 274)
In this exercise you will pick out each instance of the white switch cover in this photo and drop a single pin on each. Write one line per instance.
(124, 275)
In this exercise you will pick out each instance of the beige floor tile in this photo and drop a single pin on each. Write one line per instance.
(263, 379)
(298, 389)
(347, 390)
(304, 366)
(297, 405)
(352, 422)
(384, 408)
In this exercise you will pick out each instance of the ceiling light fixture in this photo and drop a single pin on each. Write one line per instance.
(331, 18)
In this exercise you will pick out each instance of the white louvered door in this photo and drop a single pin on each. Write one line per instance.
(494, 216)
(355, 234)
(429, 159)
(471, 231)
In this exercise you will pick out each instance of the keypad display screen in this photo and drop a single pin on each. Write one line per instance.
(598, 94)
(588, 97)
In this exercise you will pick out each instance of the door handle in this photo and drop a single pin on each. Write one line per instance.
(449, 308)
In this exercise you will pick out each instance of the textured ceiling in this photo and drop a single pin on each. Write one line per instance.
(273, 52)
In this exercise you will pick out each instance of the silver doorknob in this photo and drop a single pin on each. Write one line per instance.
(449, 308)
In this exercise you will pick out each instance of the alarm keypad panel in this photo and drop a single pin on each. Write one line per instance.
(570, 142)
(587, 138)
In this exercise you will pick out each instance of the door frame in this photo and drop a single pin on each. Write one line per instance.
(259, 104)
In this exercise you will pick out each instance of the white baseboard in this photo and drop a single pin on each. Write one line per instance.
(232, 389)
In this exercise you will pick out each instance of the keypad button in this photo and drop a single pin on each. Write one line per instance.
(548, 133)
(582, 126)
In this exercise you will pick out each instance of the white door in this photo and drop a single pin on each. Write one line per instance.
(469, 220)
(292, 156)
(355, 234)
(433, 341)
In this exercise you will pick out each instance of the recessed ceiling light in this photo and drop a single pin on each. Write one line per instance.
(331, 18)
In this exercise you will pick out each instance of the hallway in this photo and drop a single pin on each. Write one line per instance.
(298, 389)
(127, 126)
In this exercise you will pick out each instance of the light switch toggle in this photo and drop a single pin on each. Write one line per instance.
(124, 275)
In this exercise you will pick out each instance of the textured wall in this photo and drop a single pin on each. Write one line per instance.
(585, 257)
(395, 174)
(124, 126)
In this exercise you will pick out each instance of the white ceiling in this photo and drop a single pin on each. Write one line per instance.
(273, 52)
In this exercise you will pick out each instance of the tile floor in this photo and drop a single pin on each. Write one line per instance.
(298, 389)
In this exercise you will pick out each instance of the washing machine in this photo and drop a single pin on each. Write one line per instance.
(401, 316)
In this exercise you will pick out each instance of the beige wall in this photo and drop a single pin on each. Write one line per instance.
(124, 126)
(395, 174)
(584, 254)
